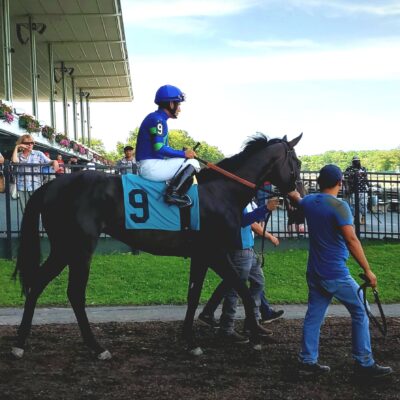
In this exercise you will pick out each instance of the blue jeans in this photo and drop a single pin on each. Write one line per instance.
(265, 308)
(320, 296)
(248, 267)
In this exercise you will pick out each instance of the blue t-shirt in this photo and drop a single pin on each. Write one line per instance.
(152, 141)
(249, 216)
(328, 252)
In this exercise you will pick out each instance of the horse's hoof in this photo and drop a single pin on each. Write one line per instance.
(256, 347)
(105, 355)
(197, 351)
(17, 352)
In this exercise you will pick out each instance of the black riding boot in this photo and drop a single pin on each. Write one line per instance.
(178, 186)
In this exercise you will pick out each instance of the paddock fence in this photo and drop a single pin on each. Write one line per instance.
(382, 216)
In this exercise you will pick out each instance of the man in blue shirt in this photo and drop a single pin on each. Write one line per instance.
(248, 267)
(156, 160)
(332, 237)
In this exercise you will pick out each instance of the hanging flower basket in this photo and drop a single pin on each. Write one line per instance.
(81, 149)
(48, 132)
(62, 140)
(6, 113)
(75, 146)
(29, 123)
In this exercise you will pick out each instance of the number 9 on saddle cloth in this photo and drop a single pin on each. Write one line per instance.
(145, 207)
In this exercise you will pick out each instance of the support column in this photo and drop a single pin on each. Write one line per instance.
(7, 50)
(65, 97)
(88, 120)
(81, 94)
(74, 107)
(34, 76)
(52, 86)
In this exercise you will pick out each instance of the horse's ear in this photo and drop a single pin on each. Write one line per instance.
(294, 141)
(284, 138)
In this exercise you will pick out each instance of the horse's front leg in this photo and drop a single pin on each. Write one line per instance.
(225, 270)
(198, 271)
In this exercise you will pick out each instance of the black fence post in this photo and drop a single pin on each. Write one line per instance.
(357, 205)
(7, 176)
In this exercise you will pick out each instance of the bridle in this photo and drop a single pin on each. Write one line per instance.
(363, 288)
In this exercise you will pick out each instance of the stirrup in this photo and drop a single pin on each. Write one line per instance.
(178, 200)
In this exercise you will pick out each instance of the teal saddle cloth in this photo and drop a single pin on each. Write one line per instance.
(145, 207)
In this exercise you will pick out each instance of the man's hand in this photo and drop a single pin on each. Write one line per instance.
(371, 277)
(294, 196)
(272, 203)
(190, 154)
(274, 240)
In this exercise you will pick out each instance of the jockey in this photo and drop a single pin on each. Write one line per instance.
(156, 160)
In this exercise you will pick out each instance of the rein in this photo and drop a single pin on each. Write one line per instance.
(363, 288)
(227, 173)
(243, 181)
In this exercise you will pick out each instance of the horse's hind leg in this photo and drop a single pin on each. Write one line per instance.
(198, 271)
(46, 273)
(78, 278)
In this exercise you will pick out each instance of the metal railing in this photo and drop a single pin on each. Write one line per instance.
(382, 218)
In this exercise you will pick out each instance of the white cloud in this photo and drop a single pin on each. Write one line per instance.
(377, 60)
(381, 8)
(268, 44)
(146, 10)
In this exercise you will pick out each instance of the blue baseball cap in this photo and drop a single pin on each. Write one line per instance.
(329, 175)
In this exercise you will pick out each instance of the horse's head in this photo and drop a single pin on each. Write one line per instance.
(284, 168)
(261, 160)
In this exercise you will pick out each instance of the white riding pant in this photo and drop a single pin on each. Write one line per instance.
(163, 170)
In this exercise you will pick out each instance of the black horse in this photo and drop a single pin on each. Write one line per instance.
(77, 208)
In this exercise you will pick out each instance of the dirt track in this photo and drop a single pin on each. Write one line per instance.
(149, 363)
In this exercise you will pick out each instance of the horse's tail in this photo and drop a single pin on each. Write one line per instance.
(28, 259)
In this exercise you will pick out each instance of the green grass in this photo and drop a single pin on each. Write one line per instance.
(122, 279)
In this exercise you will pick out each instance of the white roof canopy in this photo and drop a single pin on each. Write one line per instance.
(87, 35)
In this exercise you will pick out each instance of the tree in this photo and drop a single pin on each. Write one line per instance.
(373, 160)
(178, 139)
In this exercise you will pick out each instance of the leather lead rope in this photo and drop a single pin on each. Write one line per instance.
(381, 326)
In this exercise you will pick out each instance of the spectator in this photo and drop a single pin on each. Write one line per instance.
(1, 159)
(29, 178)
(332, 236)
(73, 165)
(61, 168)
(356, 183)
(91, 166)
(128, 163)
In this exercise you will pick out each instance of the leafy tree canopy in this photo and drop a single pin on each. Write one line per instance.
(372, 160)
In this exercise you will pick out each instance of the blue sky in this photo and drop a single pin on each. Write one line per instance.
(328, 68)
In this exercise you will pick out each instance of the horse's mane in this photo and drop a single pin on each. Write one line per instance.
(252, 145)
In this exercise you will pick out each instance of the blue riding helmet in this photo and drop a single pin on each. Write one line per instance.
(168, 93)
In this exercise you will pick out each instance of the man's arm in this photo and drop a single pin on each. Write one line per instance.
(258, 230)
(356, 250)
